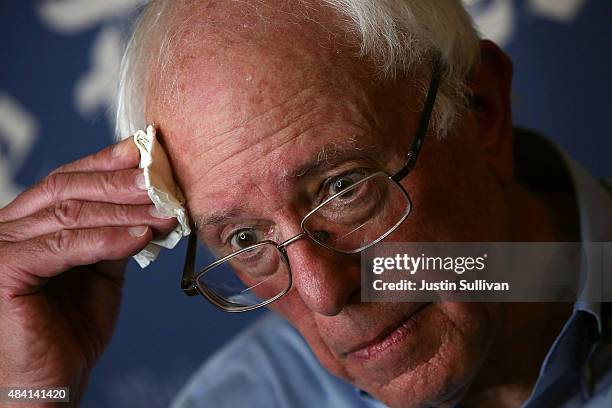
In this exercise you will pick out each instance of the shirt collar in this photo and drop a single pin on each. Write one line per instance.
(595, 210)
(594, 205)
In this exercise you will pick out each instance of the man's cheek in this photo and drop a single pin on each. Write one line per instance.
(437, 364)
(417, 350)
(301, 318)
(293, 309)
(472, 319)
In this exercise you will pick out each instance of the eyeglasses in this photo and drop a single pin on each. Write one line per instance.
(362, 210)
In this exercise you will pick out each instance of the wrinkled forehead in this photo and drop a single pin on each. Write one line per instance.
(225, 39)
(262, 90)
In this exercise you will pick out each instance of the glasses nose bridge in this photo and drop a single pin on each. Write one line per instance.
(291, 240)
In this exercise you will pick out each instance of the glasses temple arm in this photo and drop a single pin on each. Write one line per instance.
(188, 268)
(417, 143)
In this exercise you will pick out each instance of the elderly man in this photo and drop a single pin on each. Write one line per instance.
(268, 110)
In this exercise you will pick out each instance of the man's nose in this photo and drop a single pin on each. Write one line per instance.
(325, 280)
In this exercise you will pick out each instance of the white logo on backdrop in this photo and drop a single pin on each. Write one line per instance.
(95, 89)
(563, 11)
(73, 16)
(496, 19)
(18, 130)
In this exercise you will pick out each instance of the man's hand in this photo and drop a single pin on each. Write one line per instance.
(63, 249)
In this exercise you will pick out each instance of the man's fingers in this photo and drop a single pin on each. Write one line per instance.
(121, 156)
(75, 214)
(49, 255)
(119, 187)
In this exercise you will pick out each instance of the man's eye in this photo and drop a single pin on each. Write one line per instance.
(244, 238)
(342, 182)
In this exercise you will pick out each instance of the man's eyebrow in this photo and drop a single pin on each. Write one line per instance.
(329, 156)
(217, 218)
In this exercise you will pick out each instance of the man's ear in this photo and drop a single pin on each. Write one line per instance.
(490, 85)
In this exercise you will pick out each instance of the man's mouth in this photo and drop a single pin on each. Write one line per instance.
(387, 338)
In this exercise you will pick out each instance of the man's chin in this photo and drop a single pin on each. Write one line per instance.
(424, 386)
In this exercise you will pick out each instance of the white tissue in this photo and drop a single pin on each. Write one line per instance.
(163, 192)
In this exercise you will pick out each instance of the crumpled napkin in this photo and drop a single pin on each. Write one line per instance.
(163, 192)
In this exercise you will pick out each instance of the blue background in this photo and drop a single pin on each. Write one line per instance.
(562, 87)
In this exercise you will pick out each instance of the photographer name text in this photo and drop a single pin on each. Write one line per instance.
(444, 285)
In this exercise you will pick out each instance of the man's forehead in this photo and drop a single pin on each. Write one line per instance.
(267, 130)
(242, 82)
(233, 34)
(219, 113)
(233, 60)
(227, 105)
(282, 177)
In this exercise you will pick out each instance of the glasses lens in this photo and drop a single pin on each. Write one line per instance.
(251, 277)
(364, 213)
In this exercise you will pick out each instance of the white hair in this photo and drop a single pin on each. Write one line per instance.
(395, 35)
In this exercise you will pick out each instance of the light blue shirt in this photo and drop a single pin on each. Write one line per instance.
(270, 365)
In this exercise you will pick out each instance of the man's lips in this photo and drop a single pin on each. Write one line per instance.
(386, 338)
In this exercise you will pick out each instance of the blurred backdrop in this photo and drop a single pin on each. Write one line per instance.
(58, 60)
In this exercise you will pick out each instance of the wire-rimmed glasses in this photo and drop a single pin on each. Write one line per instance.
(361, 213)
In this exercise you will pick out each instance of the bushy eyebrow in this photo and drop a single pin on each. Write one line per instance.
(217, 218)
(330, 156)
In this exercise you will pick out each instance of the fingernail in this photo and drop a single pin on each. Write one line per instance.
(140, 181)
(158, 214)
(138, 231)
(120, 148)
